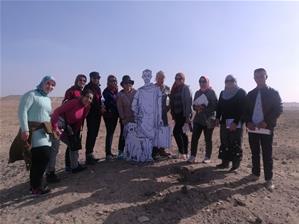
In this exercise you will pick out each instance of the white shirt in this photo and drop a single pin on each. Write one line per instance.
(258, 114)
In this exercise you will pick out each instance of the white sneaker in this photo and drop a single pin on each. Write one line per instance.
(184, 156)
(206, 160)
(191, 159)
(269, 185)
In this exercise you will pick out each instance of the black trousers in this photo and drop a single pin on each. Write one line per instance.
(93, 126)
(121, 143)
(208, 132)
(264, 142)
(231, 144)
(180, 137)
(111, 123)
(39, 161)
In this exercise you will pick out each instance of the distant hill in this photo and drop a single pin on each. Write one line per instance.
(17, 97)
(291, 106)
(11, 97)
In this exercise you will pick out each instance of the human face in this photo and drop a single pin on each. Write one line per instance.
(87, 99)
(260, 78)
(49, 86)
(160, 80)
(127, 87)
(81, 82)
(179, 80)
(203, 83)
(112, 82)
(229, 83)
(95, 80)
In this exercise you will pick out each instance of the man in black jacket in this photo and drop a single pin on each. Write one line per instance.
(263, 107)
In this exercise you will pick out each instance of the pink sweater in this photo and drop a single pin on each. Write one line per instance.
(73, 111)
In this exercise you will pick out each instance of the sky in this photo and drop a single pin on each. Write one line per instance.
(65, 38)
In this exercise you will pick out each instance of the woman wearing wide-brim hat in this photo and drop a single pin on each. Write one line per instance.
(124, 103)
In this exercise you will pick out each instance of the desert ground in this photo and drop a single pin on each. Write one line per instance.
(168, 191)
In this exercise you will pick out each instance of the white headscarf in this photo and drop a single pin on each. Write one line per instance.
(230, 92)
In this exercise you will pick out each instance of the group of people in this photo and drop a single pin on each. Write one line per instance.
(258, 110)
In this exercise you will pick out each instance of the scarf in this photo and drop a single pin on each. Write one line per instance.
(207, 87)
(230, 92)
(39, 87)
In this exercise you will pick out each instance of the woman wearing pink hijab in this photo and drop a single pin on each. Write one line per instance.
(204, 104)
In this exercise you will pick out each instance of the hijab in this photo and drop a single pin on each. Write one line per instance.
(230, 92)
(207, 87)
(39, 87)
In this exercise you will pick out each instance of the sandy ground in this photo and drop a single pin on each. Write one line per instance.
(169, 191)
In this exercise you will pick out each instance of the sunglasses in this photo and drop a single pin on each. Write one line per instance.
(202, 81)
(96, 77)
(178, 78)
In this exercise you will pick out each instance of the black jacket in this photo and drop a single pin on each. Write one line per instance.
(232, 108)
(271, 103)
(95, 106)
(209, 111)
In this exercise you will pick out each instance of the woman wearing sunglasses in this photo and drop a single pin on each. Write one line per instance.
(111, 116)
(76, 90)
(229, 114)
(204, 104)
(181, 111)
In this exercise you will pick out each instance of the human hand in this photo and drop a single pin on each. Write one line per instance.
(198, 108)
(262, 124)
(58, 132)
(250, 126)
(25, 135)
(233, 126)
(188, 121)
(217, 122)
(103, 109)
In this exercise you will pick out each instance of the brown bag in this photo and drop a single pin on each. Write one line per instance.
(47, 126)
(20, 150)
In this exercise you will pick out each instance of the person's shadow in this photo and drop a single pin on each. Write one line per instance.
(184, 203)
(121, 182)
(109, 183)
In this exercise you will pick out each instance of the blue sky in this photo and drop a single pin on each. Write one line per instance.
(64, 38)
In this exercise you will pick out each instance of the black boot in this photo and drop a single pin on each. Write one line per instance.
(236, 165)
(52, 177)
(91, 160)
(223, 165)
(79, 168)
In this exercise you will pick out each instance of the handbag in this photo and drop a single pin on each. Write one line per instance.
(75, 141)
(72, 139)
